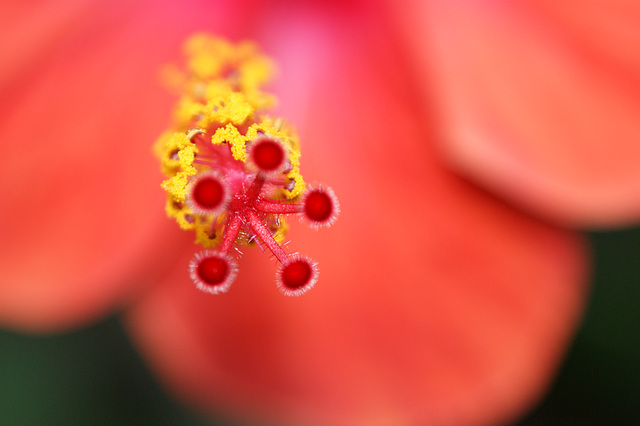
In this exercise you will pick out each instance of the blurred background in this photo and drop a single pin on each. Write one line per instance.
(94, 376)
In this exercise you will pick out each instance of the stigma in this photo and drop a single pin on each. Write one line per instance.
(233, 170)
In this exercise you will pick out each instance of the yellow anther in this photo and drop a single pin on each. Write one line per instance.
(231, 135)
(204, 65)
(193, 132)
(232, 108)
(168, 153)
(217, 89)
(207, 56)
(181, 140)
(177, 185)
(255, 72)
(299, 185)
(181, 213)
(280, 231)
(186, 156)
(187, 110)
(271, 127)
(207, 236)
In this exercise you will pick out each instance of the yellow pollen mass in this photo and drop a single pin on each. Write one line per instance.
(230, 134)
(232, 108)
(181, 213)
(222, 109)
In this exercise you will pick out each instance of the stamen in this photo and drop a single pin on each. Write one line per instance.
(287, 167)
(194, 134)
(204, 162)
(290, 185)
(235, 164)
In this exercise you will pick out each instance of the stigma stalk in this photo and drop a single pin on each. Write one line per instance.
(233, 171)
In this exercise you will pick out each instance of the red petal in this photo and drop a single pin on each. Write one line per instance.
(82, 210)
(540, 99)
(436, 303)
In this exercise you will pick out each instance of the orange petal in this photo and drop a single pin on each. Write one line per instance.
(539, 100)
(82, 209)
(436, 304)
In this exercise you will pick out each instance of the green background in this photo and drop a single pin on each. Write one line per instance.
(94, 377)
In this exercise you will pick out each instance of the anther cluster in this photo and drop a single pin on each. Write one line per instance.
(233, 172)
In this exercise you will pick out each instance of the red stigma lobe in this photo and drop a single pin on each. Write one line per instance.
(318, 206)
(296, 274)
(213, 270)
(208, 193)
(268, 155)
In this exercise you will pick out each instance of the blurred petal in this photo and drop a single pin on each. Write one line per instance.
(540, 99)
(81, 199)
(437, 304)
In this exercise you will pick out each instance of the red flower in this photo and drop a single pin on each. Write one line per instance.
(437, 302)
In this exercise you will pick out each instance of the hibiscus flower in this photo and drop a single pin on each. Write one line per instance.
(437, 303)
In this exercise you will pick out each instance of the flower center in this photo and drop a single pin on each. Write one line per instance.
(233, 170)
